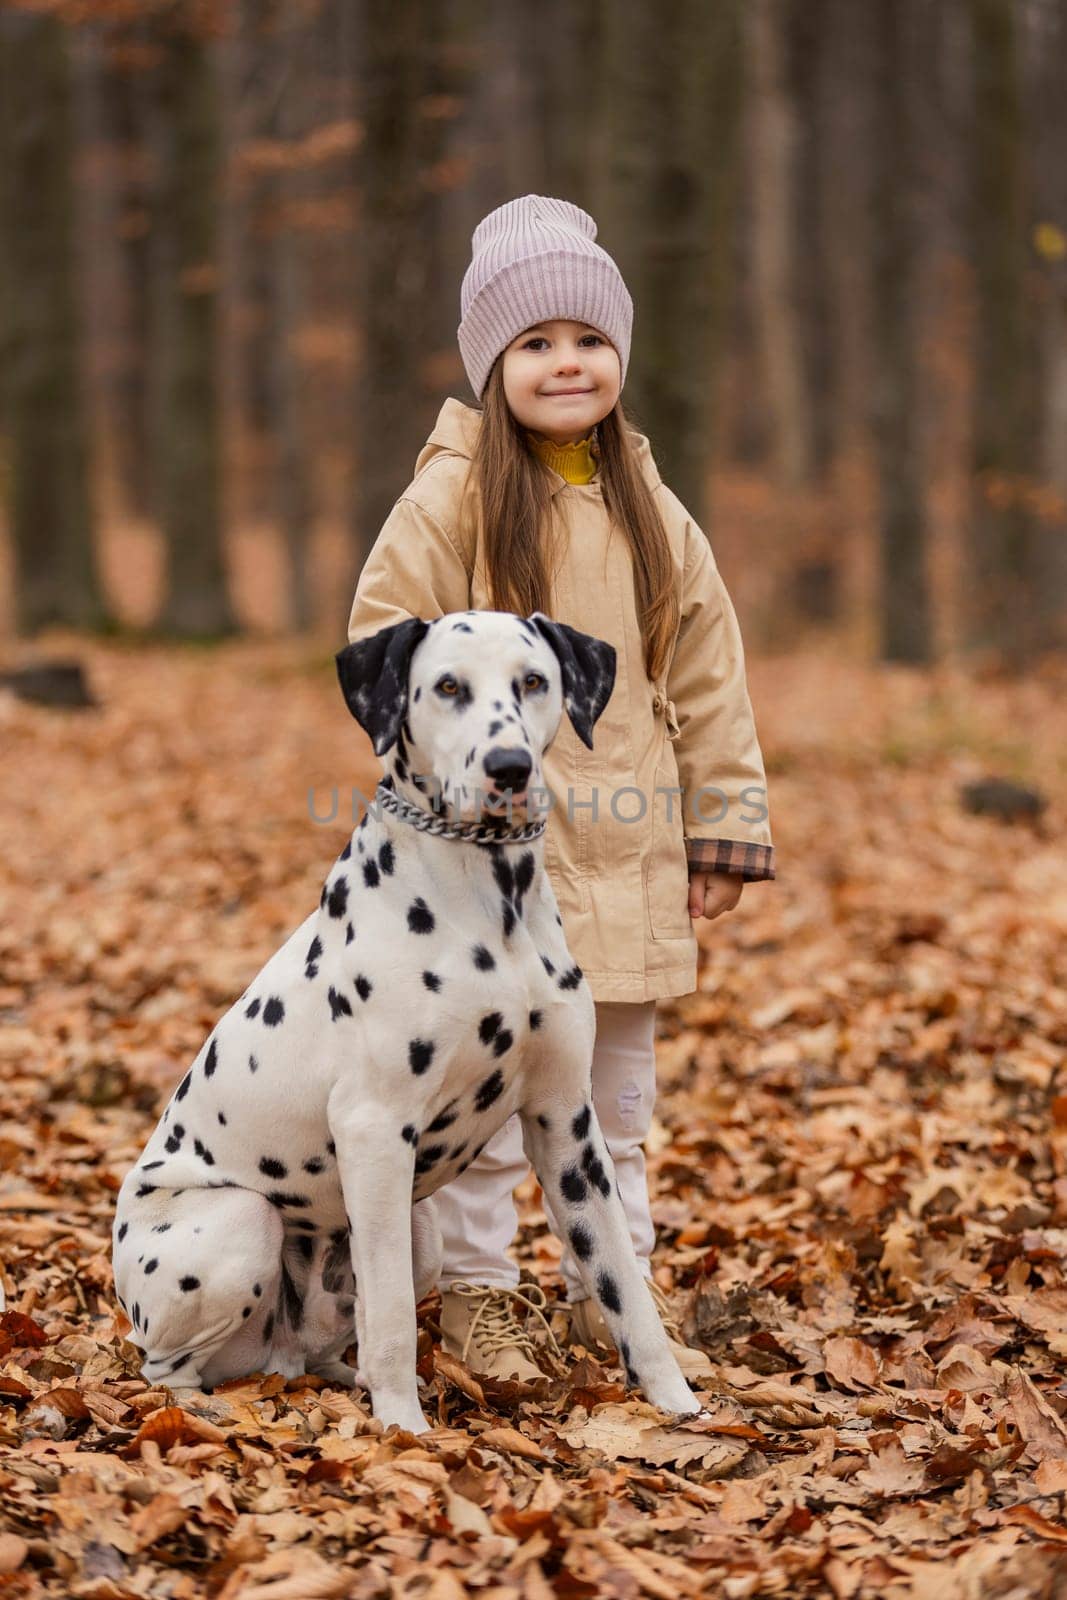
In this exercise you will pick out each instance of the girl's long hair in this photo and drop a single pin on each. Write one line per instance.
(513, 497)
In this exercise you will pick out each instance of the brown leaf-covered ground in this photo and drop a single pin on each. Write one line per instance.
(859, 1172)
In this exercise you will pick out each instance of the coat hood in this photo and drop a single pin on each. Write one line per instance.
(456, 429)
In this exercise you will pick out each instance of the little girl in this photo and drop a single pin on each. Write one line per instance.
(541, 498)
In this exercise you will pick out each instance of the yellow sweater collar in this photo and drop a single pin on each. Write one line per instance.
(574, 462)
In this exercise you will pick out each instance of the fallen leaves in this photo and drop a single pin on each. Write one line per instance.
(858, 1171)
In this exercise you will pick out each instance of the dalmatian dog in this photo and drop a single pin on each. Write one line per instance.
(284, 1200)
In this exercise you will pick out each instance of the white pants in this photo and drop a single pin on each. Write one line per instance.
(476, 1211)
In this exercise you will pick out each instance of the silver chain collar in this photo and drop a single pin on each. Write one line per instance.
(441, 828)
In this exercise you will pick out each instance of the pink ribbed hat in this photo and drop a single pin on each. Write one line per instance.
(535, 259)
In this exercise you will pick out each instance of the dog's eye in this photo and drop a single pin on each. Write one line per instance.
(447, 685)
(534, 680)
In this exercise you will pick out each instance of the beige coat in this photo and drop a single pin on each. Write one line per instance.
(622, 885)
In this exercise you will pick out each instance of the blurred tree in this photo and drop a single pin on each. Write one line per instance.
(276, 81)
(186, 420)
(772, 176)
(663, 165)
(47, 496)
(1004, 556)
(905, 622)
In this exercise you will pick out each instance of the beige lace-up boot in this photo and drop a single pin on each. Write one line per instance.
(480, 1326)
(589, 1328)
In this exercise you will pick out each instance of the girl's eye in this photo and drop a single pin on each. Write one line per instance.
(534, 680)
(539, 338)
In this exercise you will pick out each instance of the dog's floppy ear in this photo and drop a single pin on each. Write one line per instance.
(374, 678)
(587, 666)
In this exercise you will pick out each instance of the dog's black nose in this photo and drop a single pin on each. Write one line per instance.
(509, 769)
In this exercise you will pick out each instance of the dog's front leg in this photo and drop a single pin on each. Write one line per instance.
(570, 1157)
(376, 1167)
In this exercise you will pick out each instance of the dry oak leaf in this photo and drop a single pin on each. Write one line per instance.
(891, 1473)
(512, 1443)
(634, 1433)
(852, 1364)
(1037, 1423)
(456, 1373)
(13, 1552)
(173, 1426)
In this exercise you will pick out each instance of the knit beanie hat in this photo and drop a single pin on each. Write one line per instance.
(534, 259)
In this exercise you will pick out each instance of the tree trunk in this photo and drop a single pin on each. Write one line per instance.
(905, 598)
(186, 422)
(1005, 534)
(664, 175)
(50, 515)
(772, 138)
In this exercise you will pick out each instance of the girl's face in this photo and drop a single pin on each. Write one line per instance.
(560, 379)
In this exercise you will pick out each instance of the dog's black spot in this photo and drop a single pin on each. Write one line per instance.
(305, 1246)
(257, 1289)
(204, 1153)
(211, 1060)
(340, 1005)
(420, 917)
(222, 1119)
(493, 728)
(183, 1088)
(314, 1165)
(524, 873)
(594, 1171)
(483, 958)
(161, 1227)
(535, 1021)
(253, 1064)
(337, 899)
(489, 1026)
(246, 1313)
(188, 1284)
(123, 1231)
(271, 1168)
(371, 876)
(571, 978)
(274, 1011)
(431, 981)
(608, 1290)
(295, 1201)
(346, 852)
(146, 1189)
(428, 1157)
(444, 1119)
(624, 1351)
(457, 1152)
(268, 1327)
(331, 1147)
(350, 933)
(410, 1133)
(387, 858)
(503, 1042)
(580, 1125)
(543, 1120)
(148, 1165)
(252, 1008)
(573, 1186)
(314, 953)
(150, 1266)
(364, 987)
(420, 1055)
(581, 1241)
(490, 1090)
(548, 966)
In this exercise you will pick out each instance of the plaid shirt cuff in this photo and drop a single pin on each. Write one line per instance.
(751, 861)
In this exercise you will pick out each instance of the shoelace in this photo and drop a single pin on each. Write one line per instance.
(495, 1323)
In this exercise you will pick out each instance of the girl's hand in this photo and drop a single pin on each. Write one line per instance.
(713, 892)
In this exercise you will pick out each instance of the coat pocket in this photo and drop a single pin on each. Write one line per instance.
(667, 883)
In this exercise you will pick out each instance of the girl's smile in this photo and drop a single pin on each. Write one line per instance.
(560, 379)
